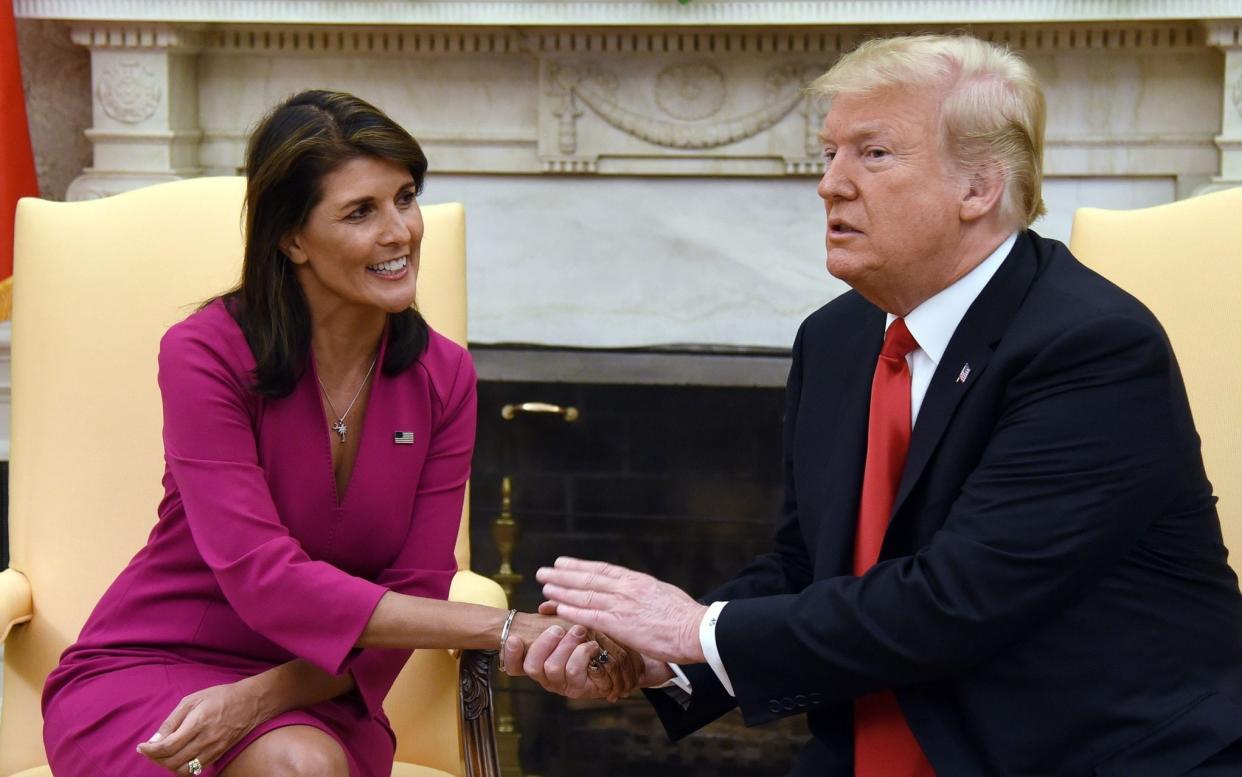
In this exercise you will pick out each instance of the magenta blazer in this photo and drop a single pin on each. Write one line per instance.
(257, 560)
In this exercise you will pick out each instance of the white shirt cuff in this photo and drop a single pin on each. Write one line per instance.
(707, 638)
(678, 679)
(677, 686)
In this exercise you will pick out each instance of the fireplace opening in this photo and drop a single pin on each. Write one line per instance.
(670, 467)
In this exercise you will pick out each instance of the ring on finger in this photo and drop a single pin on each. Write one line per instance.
(194, 767)
(597, 663)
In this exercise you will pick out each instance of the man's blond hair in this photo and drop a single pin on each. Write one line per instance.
(993, 111)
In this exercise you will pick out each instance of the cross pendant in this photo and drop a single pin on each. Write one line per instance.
(340, 428)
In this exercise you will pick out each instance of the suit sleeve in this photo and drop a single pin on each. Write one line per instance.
(310, 608)
(437, 514)
(1090, 436)
(787, 570)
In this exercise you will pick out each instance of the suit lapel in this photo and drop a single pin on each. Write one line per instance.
(846, 425)
(972, 344)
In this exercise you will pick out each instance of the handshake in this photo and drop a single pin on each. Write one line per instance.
(625, 628)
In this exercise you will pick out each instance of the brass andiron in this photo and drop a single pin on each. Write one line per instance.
(505, 535)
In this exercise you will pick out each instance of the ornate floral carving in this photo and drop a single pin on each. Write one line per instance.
(813, 111)
(128, 91)
(597, 89)
(478, 728)
(476, 689)
(567, 111)
(690, 92)
(1237, 94)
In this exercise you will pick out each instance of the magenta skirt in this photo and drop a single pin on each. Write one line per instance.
(98, 708)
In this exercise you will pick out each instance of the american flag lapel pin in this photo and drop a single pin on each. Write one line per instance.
(402, 438)
(964, 374)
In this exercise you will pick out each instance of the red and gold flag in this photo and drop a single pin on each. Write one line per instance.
(17, 169)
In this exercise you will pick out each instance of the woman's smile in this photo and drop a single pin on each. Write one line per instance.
(391, 270)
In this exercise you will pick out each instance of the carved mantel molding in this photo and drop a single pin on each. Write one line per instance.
(590, 13)
(603, 99)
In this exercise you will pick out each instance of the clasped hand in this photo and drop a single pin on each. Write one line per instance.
(653, 617)
(656, 622)
(570, 659)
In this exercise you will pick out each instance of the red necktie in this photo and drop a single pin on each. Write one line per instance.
(884, 746)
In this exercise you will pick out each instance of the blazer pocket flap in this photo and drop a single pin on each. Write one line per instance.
(1187, 739)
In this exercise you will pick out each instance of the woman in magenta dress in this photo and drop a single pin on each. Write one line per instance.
(317, 439)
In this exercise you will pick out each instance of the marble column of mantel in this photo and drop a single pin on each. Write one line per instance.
(1227, 36)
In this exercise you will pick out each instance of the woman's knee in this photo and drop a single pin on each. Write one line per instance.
(324, 760)
(295, 751)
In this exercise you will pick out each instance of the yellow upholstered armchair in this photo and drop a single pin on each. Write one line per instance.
(1184, 261)
(96, 285)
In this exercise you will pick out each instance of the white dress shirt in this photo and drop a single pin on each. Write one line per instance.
(932, 325)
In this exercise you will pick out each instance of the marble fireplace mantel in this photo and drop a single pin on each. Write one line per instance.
(642, 173)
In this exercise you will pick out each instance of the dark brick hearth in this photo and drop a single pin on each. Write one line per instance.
(679, 481)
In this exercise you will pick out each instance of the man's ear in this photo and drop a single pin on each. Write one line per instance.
(291, 246)
(983, 193)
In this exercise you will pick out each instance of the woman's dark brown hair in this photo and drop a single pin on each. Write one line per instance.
(301, 141)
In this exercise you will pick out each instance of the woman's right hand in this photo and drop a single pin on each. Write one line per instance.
(559, 656)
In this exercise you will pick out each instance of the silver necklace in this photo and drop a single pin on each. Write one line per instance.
(339, 427)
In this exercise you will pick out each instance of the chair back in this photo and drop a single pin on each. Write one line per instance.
(96, 284)
(1184, 261)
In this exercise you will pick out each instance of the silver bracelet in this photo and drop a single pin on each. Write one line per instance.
(504, 633)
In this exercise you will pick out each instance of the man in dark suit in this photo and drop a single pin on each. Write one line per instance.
(998, 552)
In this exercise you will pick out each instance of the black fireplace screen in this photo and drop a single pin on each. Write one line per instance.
(679, 481)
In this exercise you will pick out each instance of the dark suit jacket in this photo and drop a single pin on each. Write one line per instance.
(1052, 597)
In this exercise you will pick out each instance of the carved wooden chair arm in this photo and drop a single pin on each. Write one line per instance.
(478, 725)
(475, 682)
